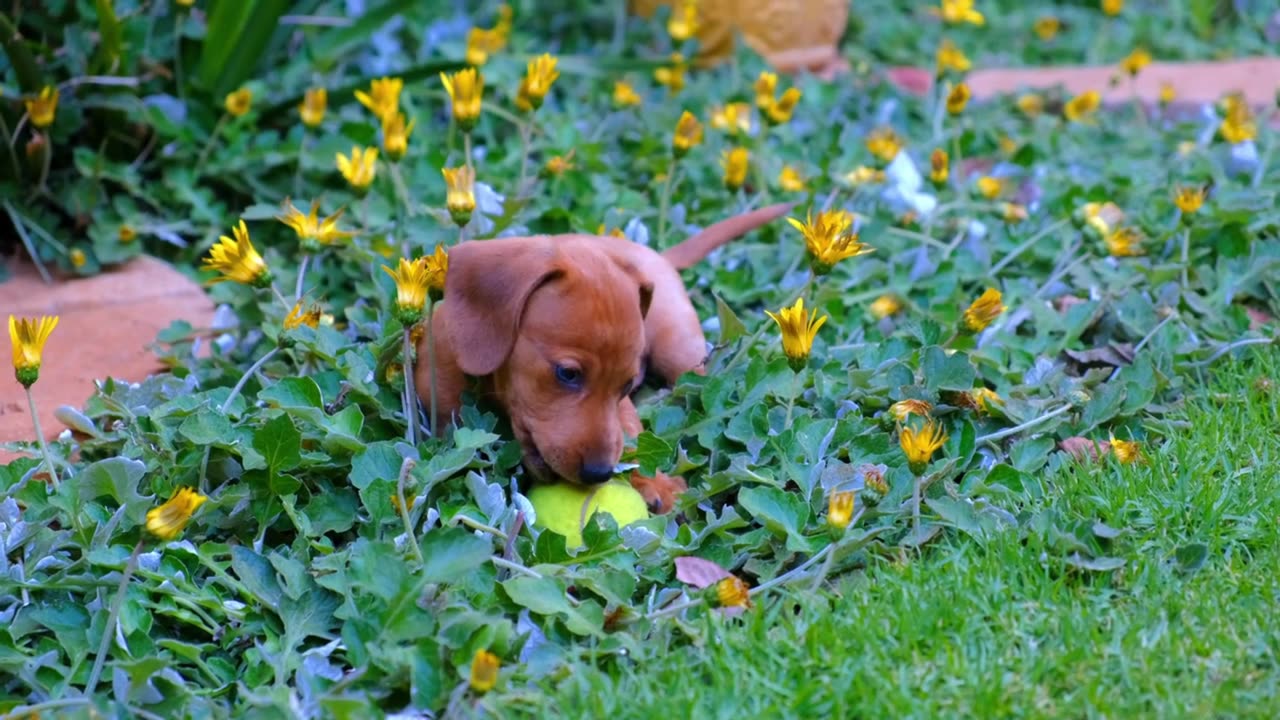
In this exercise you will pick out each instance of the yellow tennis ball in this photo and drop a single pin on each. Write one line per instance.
(559, 507)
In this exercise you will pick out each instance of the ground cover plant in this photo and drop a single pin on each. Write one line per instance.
(974, 346)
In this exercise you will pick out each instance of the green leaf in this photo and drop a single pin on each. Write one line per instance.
(547, 596)
(280, 443)
(731, 328)
(958, 514)
(466, 438)
(237, 37)
(1191, 557)
(652, 453)
(257, 576)
(782, 512)
(118, 477)
(379, 461)
(451, 553)
(946, 372)
(207, 427)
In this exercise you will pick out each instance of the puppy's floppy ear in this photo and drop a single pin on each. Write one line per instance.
(645, 284)
(487, 286)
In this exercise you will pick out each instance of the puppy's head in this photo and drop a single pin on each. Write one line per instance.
(559, 325)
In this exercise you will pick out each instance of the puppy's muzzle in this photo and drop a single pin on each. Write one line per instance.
(595, 473)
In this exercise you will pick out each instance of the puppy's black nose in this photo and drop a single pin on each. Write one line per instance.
(592, 474)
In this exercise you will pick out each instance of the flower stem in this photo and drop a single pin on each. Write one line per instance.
(410, 397)
(664, 204)
(915, 505)
(466, 149)
(48, 163)
(477, 525)
(515, 566)
(302, 274)
(208, 147)
(112, 619)
(791, 401)
(1186, 254)
(245, 378)
(1004, 262)
(405, 468)
(431, 365)
(44, 446)
(280, 296)
(524, 153)
(1002, 434)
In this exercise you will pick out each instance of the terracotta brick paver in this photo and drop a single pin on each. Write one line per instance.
(1194, 82)
(107, 322)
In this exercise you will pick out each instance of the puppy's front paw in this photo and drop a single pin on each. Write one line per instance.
(660, 491)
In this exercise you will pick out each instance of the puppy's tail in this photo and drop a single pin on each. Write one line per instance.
(692, 251)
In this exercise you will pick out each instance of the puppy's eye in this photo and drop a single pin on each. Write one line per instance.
(569, 376)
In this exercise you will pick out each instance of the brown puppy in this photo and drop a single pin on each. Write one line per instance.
(561, 330)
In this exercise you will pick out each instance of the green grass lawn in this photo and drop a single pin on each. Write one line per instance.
(995, 627)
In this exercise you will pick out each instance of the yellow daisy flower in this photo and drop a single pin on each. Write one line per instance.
(828, 238)
(238, 103)
(904, 409)
(1189, 199)
(733, 118)
(1126, 451)
(798, 331)
(1047, 27)
(735, 163)
(313, 106)
(437, 266)
(412, 283)
(170, 519)
(44, 107)
(1081, 107)
(884, 306)
(395, 136)
(298, 317)
(1135, 61)
(982, 311)
(688, 134)
(840, 509)
(360, 169)
(460, 193)
(789, 179)
(1124, 242)
(954, 12)
(237, 260)
(939, 167)
(539, 75)
(383, 98)
(683, 22)
(990, 187)
(624, 95)
(312, 231)
(958, 98)
(484, 671)
(884, 143)
(466, 94)
(671, 76)
(766, 86)
(919, 445)
(28, 337)
(951, 57)
(779, 112)
(733, 592)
